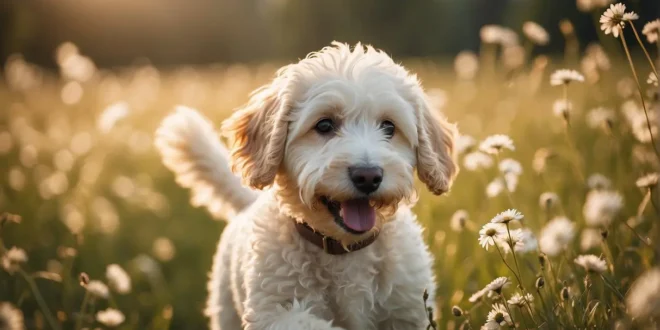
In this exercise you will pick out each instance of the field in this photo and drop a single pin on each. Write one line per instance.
(79, 168)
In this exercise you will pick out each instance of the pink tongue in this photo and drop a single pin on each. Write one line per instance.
(358, 214)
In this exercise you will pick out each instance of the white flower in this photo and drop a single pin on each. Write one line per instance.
(648, 181)
(118, 279)
(511, 181)
(495, 34)
(651, 30)
(478, 295)
(110, 317)
(515, 240)
(614, 19)
(490, 234)
(477, 160)
(565, 77)
(643, 299)
(557, 234)
(464, 143)
(528, 240)
(548, 200)
(598, 181)
(97, 289)
(509, 165)
(519, 300)
(602, 207)
(540, 160)
(466, 65)
(652, 80)
(590, 238)
(562, 108)
(498, 284)
(490, 325)
(458, 220)
(600, 117)
(536, 33)
(499, 315)
(12, 259)
(589, 5)
(507, 216)
(11, 318)
(495, 188)
(591, 263)
(494, 144)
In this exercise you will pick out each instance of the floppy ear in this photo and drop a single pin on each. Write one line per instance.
(257, 135)
(436, 161)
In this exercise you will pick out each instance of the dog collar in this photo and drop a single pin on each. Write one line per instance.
(329, 244)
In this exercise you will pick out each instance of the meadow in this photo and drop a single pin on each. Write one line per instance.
(97, 234)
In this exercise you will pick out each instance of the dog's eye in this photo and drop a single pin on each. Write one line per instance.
(388, 128)
(325, 126)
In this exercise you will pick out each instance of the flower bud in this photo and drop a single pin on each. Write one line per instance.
(457, 311)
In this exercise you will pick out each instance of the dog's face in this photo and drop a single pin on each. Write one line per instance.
(340, 134)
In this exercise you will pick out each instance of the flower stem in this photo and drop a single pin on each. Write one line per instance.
(522, 286)
(507, 265)
(641, 94)
(646, 241)
(506, 305)
(611, 287)
(40, 300)
(83, 309)
(641, 44)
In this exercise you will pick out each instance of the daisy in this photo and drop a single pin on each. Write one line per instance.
(507, 216)
(643, 299)
(11, 318)
(495, 188)
(477, 296)
(490, 33)
(477, 160)
(499, 315)
(490, 234)
(494, 144)
(548, 200)
(557, 234)
(590, 238)
(648, 181)
(516, 240)
(458, 220)
(536, 33)
(97, 289)
(565, 77)
(591, 263)
(466, 65)
(118, 279)
(490, 325)
(602, 207)
(511, 181)
(598, 181)
(598, 55)
(651, 30)
(12, 259)
(600, 117)
(509, 165)
(464, 143)
(528, 240)
(519, 300)
(652, 80)
(498, 284)
(562, 108)
(589, 5)
(614, 19)
(110, 317)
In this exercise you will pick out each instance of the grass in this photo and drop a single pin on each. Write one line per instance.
(91, 191)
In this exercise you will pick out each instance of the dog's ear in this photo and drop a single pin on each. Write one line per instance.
(257, 135)
(436, 159)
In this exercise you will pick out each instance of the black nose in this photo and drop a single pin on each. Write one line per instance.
(366, 179)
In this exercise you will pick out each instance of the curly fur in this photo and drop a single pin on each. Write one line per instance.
(265, 276)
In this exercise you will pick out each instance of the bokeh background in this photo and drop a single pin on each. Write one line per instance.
(85, 84)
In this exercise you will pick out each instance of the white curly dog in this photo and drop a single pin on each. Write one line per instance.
(324, 237)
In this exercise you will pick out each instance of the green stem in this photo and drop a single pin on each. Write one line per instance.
(506, 305)
(641, 94)
(83, 309)
(611, 287)
(40, 300)
(507, 265)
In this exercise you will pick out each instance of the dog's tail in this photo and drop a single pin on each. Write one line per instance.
(191, 149)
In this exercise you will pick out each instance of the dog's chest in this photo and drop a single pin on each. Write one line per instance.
(357, 291)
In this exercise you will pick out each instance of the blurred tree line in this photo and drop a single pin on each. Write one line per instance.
(172, 32)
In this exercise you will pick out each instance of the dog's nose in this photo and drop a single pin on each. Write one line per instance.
(366, 179)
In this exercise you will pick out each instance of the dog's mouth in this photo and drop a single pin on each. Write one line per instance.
(356, 216)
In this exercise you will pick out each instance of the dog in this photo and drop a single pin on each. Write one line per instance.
(317, 185)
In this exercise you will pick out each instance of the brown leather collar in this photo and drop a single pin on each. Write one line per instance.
(329, 244)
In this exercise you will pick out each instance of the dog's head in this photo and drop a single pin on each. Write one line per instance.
(340, 135)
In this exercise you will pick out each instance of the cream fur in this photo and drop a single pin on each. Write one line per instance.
(264, 275)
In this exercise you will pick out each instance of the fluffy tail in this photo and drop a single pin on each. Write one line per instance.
(191, 149)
